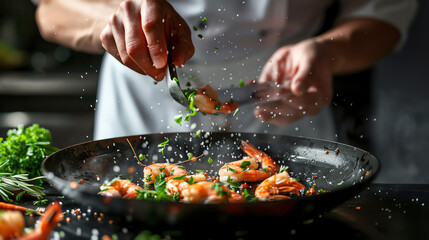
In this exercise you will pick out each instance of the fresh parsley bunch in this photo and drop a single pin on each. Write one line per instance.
(24, 149)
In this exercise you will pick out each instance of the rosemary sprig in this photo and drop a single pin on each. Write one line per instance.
(10, 183)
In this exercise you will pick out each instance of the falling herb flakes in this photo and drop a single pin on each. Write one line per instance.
(241, 84)
(142, 157)
(162, 146)
(178, 119)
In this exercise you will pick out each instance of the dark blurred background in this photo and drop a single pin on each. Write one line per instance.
(384, 110)
(42, 82)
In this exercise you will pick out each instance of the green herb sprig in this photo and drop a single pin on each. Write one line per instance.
(10, 184)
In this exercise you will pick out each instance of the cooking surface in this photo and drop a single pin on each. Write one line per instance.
(380, 211)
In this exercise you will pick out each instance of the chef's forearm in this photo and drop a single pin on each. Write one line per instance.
(76, 24)
(358, 43)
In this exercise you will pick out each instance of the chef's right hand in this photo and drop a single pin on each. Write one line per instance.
(140, 33)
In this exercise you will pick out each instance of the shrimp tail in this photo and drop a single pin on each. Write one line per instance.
(47, 223)
(263, 158)
(131, 195)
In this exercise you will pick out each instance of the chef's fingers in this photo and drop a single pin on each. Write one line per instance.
(278, 67)
(136, 46)
(108, 42)
(293, 108)
(182, 48)
(273, 93)
(274, 70)
(277, 113)
(310, 103)
(118, 32)
(303, 78)
(152, 21)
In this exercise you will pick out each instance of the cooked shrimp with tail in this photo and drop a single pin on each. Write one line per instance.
(210, 192)
(178, 184)
(207, 101)
(120, 187)
(254, 168)
(277, 187)
(153, 170)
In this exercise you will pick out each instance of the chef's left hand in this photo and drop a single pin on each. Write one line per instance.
(303, 73)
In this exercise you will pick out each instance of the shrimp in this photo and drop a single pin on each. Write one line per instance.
(153, 170)
(46, 224)
(207, 101)
(210, 192)
(11, 224)
(120, 187)
(271, 188)
(247, 168)
(179, 185)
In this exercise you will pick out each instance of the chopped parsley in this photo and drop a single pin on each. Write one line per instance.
(217, 106)
(244, 165)
(178, 119)
(180, 177)
(149, 177)
(230, 169)
(245, 193)
(241, 84)
(200, 36)
(210, 160)
(236, 112)
(160, 192)
(191, 181)
(142, 157)
(217, 186)
(162, 145)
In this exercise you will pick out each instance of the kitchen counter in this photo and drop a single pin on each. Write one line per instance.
(381, 211)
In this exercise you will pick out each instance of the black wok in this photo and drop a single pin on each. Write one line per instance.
(340, 169)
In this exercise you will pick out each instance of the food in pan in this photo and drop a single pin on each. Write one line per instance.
(274, 187)
(171, 182)
(248, 169)
(151, 171)
(210, 192)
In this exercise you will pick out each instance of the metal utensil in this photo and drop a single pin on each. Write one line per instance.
(251, 94)
(174, 85)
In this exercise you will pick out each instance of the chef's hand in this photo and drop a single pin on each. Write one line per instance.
(140, 33)
(303, 74)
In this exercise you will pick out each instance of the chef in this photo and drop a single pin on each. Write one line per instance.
(220, 43)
